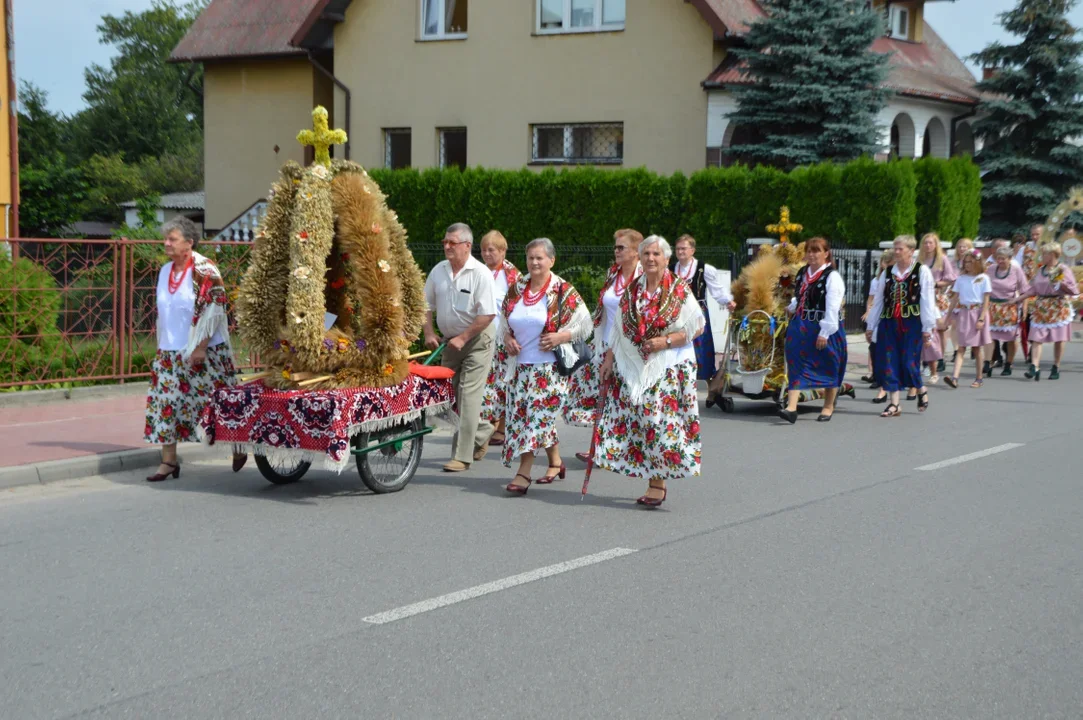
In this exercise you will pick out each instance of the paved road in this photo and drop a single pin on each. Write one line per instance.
(814, 571)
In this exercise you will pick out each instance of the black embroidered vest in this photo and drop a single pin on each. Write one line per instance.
(902, 298)
(697, 282)
(812, 298)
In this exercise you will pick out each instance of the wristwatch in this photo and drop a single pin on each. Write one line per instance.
(669, 341)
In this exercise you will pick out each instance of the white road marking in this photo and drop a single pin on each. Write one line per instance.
(496, 586)
(972, 456)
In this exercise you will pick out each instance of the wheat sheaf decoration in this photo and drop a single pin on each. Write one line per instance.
(1074, 203)
(331, 251)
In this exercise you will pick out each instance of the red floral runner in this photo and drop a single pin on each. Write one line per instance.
(316, 424)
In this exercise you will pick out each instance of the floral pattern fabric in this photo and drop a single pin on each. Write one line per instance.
(496, 395)
(180, 391)
(581, 404)
(534, 400)
(657, 439)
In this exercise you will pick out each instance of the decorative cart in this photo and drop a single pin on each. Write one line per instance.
(331, 302)
(383, 429)
(754, 364)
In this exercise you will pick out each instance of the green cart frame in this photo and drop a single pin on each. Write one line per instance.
(386, 460)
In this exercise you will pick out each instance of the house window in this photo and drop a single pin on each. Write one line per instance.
(586, 144)
(569, 16)
(397, 148)
(899, 22)
(453, 148)
(443, 19)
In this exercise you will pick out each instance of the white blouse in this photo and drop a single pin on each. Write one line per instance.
(175, 312)
(715, 286)
(528, 323)
(972, 290)
(836, 291)
(929, 314)
(611, 304)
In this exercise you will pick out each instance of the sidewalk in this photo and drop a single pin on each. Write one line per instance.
(44, 437)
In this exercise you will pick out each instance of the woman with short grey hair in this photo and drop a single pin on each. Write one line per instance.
(540, 313)
(649, 425)
(194, 355)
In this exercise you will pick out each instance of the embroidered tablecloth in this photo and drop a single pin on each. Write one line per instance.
(317, 425)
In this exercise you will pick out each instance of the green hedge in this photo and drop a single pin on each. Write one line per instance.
(859, 204)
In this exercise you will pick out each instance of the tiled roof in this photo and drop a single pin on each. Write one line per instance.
(244, 28)
(177, 201)
(928, 69)
(729, 16)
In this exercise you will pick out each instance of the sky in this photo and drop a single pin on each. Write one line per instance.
(55, 41)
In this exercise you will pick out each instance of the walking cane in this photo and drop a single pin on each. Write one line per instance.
(594, 436)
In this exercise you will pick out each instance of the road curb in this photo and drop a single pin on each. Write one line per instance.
(52, 471)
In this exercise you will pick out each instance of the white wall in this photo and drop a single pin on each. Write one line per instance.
(720, 103)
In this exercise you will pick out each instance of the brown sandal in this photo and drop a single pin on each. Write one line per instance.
(520, 489)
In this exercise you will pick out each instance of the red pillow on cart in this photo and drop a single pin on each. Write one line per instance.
(431, 372)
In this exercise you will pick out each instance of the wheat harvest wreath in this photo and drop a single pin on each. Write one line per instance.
(333, 297)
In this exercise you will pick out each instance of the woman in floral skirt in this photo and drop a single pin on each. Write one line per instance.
(494, 250)
(540, 312)
(194, 356)
(581, 407)
(1010, 286)
(815, 341)
(649, 427)
(901, 322)
(1053, 287)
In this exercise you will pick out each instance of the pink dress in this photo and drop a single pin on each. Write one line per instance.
(1051, 313)
(947, 273)
(1008, 292)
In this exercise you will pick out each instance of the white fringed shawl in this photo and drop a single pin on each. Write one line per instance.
(638, 375)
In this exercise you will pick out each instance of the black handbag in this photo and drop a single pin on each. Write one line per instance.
(565, 366)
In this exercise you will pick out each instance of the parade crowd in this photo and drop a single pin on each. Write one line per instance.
(528, 355)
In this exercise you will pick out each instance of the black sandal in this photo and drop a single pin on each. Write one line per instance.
(951, 382)
(891, 410)
(923, 401)
(879, 400)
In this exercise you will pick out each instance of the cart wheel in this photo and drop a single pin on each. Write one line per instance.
(726, 405)
(282, 473)
(390, 468)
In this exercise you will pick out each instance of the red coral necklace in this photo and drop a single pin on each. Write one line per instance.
(174, 281)
(530, 298)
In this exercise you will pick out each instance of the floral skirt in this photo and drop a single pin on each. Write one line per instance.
(657, 439)
(581, 404)
(810, 367)
(1051, 320)
(1004, 320)
(495, 397)
(535, 396)
(179, 392)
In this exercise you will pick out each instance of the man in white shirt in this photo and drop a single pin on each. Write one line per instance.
(703, 279)
(460, 290)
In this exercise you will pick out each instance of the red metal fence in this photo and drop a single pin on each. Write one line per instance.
(84, 310)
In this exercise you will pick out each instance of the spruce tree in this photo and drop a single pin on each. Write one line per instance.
(1031, 118)
(816, 84)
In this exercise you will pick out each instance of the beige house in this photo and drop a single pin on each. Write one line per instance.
(494, 83)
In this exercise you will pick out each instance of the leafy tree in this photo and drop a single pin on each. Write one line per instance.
(816, 84)
(142, 105)
(1031, 116)
(110, 182)
(51, 196)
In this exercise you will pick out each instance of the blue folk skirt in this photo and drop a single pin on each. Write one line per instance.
(898, 353)
(809, 367)
(704, 346)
